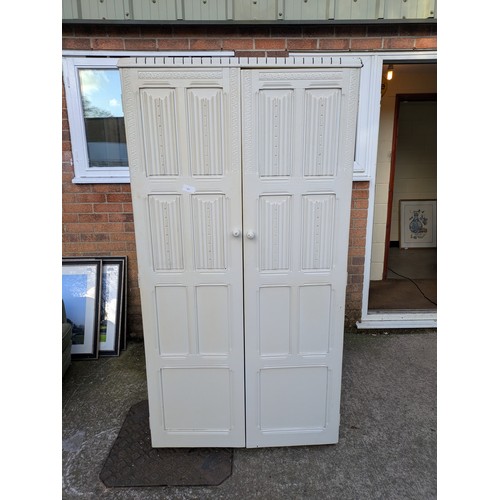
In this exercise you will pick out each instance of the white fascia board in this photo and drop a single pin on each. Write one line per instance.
(410, 56)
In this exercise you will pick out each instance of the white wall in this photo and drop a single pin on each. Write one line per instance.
(415, 173)
(408, 79)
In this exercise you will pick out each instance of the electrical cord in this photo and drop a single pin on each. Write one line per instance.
(419, 289)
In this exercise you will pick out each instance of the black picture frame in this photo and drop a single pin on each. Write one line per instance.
(81, 293)
(123, 333)
(112, 319)
(111, 332)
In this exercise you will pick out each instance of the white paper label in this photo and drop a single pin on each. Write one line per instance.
(189, 189)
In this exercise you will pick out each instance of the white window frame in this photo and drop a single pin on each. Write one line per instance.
(72, 62)
(83, 172)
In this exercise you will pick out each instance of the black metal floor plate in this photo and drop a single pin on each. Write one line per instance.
(133, 462)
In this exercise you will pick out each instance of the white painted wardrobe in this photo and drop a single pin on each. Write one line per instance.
(241, 176)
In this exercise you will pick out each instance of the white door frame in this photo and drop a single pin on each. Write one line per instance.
(387, 319)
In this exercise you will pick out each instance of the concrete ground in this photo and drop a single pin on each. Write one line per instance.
(387, 447)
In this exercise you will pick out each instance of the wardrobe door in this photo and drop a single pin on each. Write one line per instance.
(298, 134)
(183, 136)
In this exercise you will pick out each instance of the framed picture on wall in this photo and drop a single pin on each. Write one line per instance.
(417, 223)
(81, 291)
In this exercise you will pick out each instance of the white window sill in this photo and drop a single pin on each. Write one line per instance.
(102, 180)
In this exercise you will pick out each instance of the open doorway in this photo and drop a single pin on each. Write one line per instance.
(404, 245)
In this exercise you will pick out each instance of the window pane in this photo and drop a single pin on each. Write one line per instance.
(103, 116)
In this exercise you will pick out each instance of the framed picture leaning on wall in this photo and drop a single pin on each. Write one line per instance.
(81, 293)
(112, 304)
(417, 223)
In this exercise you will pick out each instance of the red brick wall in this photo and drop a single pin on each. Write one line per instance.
(97, 221)
(356, 256)
(251, 40)
(97, 218)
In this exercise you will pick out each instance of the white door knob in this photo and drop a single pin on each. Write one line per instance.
(236, 233)
(250, 235)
